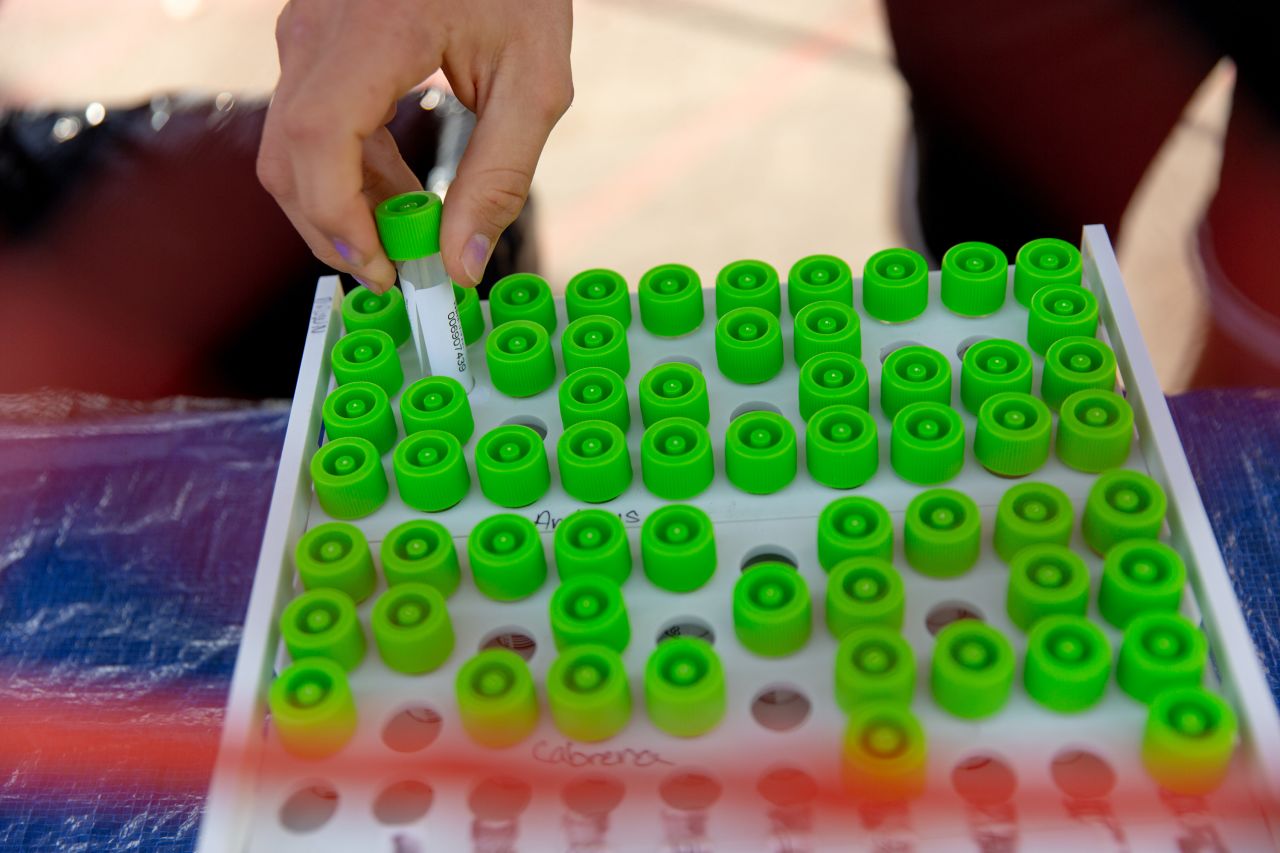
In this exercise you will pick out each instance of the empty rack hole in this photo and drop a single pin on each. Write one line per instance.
(984, 780)
(754, 406)
(412, 729)
(403, 802)
(499, 798)
(689, 790)
(1082, 773)
(593, 796)
(679, 359)
(888, 349)
(963, 346)
(513, 638)
(309, 807)
(944, 613)
(780, 708)
(686, 626)
(787, 787)
(533, 422)
(769, 554)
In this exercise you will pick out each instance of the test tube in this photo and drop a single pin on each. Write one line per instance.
(409, 226)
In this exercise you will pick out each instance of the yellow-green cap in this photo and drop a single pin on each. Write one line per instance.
(312, 708)
(884, 757)
(1188, 740)
(409, 225)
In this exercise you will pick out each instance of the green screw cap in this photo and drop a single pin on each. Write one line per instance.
(521, 363)
(589, 610)
(363, 309)
(832, 379)
(312, 708)
(772, 614)
(511, 462)
(1160, 651)
(1061, 312)
(421, 552)
(675, 459)
(874, 664)
(1188, 741)
(854, 527)
(818, 278)
(842, 447)
(1046, 580)
(975, 277)
(760, 452)
(348, 477)
(1095, 430)
(412, 628)
(431, 472)
(749, 346)
(926, 445)
(884, 754)
(864, 591)
(409, 225)
(1140, 576)
(496, 698)
(942, 534)
(1122, 505)
(360, 410)
(674, 390)
(671, 300)
(678, 548)
(1068, 663)
(991, 367)
(748, 284)
(1032, 514)
(588, 693)
(323, 623)
(1043, 263)
(437, 402)
(470, 316)
(523, 296)
(973, 667)
(335, 555)
(895, 285)
(594, 394)
(598, 291)
(914, 374)
(822, 327)
(596, 341)
(1014, 433)
(684, 687)
(507, 560)
(368, 356)
(1076, 364)
(592, 541)
(594, 463)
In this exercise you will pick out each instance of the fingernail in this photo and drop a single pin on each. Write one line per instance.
(367, 285)
(475, 256)
(348, 254)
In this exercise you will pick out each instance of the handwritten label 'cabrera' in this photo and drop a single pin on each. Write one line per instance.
(569, 754)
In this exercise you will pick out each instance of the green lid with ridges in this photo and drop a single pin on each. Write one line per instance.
(1014, 433)
(678, 548)
(589, 610)
(1140, 576)
(323, 623)
(684, 687)
(874, 664)
(991, 367)
(348, 476)
(1188, 740)
(830, 379)
(1032, 514)
(1043, 263)
(926, 444)
(772, 613)
(437, 402)
(1046, 580)
(1160, 651)
(431, 472)
(914, 374)
(497, 702)
(675, 459)
(895, 285)
(1075, 364)
(412, 628)
(523, 296)
(592, 541)
(975, 277)
(760, 452)
(671, 300)
(1068, 663)
(421, 551)
(588, 693)
(1061, 312)
(511, 463)
(942, 534)
(470, 316)
(1122, 505)
(827, 326)
(367, 356)
(521, 363)
(595, 341)
(594, 394)
(884, 753)
(594, 463)
(749, 346)
(600, 292)
(842, 447)
(864, 591)
(507, 560)
(363, 309)
(409, 225)
(674, 390)
(312, 708)
(360, 410)
(1095, 430)
(335, 555)
(748, 284)
(973, 667)
(818, 278)
(854, 527)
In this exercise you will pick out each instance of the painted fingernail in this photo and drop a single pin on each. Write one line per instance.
(372, 287)
(475, 256)
(348, 254)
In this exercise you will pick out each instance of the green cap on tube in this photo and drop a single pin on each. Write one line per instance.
(409, 225)
(1043, 263)
(864, 591)
(335, 555)
(884, 758)
(507, 560)
(760, 452)
(973, 667)
(431, 472)
(772, 614)
(348, 477)
(942, 534)
(675, 459)
(511, 463)
(674, 390)
(842, 447)
(991, 367)
(421, 551)
(412, 628)
(1046, 580)
(594, 394)
(827, 326)
(323, 623)
(975, 277)
(678, 548)
(1032, 514)
(684, 687)
(671, 300)
(926, 445)
(831, 379)
(437, 402)
(748, 284)
(818, 278)
(594, 463)
(363, 309)
(592, 541)
(854, 527)
(1122, 505)
(596, 341)
(496, 698)
(1068, 663)
(368, 356)
(521, 363)
(914, 374)
(523, 296)
(874, 664)
(588, 693)
(895, 285)
(360, 410)
(1140, 576)
(598, 291)
(1188, 740)
(469, 314)
(1061, 312)
(1075, 364)
(1014, 433)
(589, 610)
(1095, 430)
(1160, 651)
(312, 708)
(749, 346)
